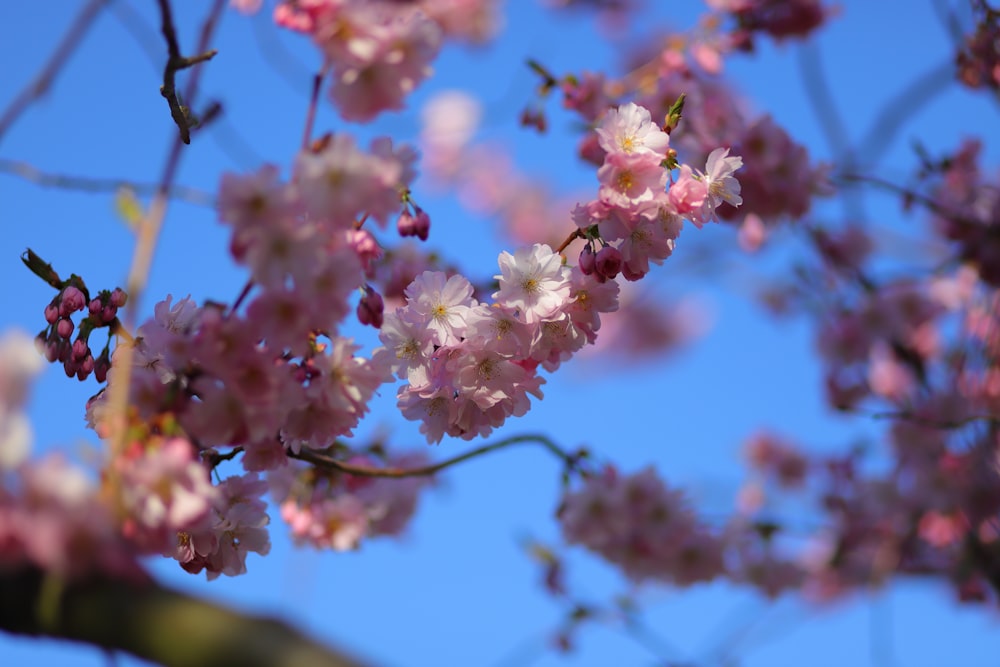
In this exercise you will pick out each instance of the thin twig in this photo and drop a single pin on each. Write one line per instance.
(176, 62)
(41, 83)
(311, 112)
(324, 460)
(87, 184)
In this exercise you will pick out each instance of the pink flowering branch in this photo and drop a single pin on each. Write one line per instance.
(321, 459)
(41, 84)
(154, 623)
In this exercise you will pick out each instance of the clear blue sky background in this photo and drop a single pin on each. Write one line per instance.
(458, 590)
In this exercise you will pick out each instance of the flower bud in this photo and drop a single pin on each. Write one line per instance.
(371, 308)
(587, 260)
(608, 262)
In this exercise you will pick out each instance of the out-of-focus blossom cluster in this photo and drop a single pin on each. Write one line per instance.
(935, 514)
(635, 219)
(965, 204)
(780, 19)
(644, 527)
(379, 52)
(978, 59)
(19, 363)
(337, 510)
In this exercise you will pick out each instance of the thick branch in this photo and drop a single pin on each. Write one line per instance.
(156, 624)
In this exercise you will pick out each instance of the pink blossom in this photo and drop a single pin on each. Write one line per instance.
(631, 181)
(628, 129)
(533, 282)
(442, 303)
(688, 195)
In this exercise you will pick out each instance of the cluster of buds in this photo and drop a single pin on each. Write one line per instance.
(416, 223)
(56, 339)
(604, 264)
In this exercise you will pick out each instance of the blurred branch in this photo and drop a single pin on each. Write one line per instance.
(155, 623)
(321, 459)
(906, 103)
(41, 83)
(87, 184)
(824, 104)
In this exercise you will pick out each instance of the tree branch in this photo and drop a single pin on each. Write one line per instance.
(41, 84)
(89, 184)
(321, 459)
(155, 623)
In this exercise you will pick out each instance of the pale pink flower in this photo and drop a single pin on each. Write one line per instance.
(534, 283)
(628, 129)
(632, 181)
(441, 302)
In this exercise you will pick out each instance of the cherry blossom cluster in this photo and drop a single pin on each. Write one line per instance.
(978, 59)
(635, 218)
(529, 210)
(468, 365)
(966, 208)
(780, 19)
(330, 509)
(379, 52)
(644, 527)
(778, 182)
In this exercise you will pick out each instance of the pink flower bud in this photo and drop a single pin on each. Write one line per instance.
(587, 260)
(365, 246)
(406, 225)
(118, 297)
(80, 349)
(51, 313)
(108, 314)
(608, 262)
(95, 306)
(371, 308)
(86, 367)
(422, 223)
(72, 301)
(64, 328)
(101, 368)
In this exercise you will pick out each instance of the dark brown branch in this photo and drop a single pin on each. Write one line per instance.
(321, 459)
(41, 84)
(87, 184)
(176, 62)
(154, 623)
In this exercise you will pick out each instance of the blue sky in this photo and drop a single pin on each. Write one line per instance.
(458, 590)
